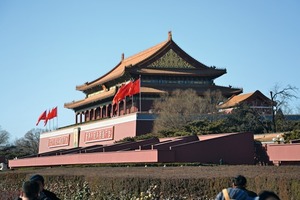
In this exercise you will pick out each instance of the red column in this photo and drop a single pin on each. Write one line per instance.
(101, 114)
(106, 111)
(87, 116)
(124, 107)
(118, 109)
(97, 114)
(112, 110)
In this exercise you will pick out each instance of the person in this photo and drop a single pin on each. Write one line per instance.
(44, 194)
(268, 195)
(30, 191)
(241, 182)
(237, 191)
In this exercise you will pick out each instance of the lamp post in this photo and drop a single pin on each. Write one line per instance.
(278, 139)
(273, 111)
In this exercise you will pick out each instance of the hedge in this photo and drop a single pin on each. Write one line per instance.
(203, 182)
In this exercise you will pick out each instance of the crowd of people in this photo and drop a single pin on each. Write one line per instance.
(239, 191)
(33, 189)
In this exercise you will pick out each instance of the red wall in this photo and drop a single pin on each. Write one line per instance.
(89, 158)
(129, 125)
(279, 153)
(123, 126)
(232, 149)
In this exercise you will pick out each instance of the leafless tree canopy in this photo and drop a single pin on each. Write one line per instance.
(211, 100)
(30, 142)
(4, 136)
(183, 106)
(282, 96)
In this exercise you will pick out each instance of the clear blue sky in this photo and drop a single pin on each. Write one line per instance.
(48, 47)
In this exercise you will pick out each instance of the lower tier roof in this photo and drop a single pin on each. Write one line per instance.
(154, 89)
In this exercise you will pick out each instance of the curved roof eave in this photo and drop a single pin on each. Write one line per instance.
(238, 99)
(88, 85)
(90, 99)
(185, 72)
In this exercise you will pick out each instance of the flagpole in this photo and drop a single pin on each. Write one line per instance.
(49, 124)
(50, 120)
(140, 94)
(56, 117)
(131, 104)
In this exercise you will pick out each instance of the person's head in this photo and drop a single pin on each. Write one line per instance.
(30, 190)
(268, 195)
(239, 181)
(39, 179)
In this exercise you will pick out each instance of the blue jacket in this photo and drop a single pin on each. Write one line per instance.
(234, 193)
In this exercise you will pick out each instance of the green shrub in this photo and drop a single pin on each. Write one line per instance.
(295, 134)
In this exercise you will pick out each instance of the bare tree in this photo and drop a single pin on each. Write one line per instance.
(281, 97)
(4, 136)
(30, 142)
(181, 107)
(212, 99)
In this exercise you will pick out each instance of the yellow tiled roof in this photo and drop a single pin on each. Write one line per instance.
(103, 95)
(90, 99)
(237, 99)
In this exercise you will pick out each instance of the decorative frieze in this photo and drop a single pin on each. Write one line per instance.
(60, 141)
(170, 60)
(100, 134)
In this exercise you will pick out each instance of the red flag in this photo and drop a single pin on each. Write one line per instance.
(126, 90)
(122, 92)
(116, 97)
(51, 115)
(42, 117)
(135, 88)
(47, 118)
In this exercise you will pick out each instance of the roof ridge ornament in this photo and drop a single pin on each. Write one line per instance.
(170, 35)
(122, 57)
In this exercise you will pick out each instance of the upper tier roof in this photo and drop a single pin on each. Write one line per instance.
(138, 64)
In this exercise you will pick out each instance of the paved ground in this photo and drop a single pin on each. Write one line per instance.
(266, 137)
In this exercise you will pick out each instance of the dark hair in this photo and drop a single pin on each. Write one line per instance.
(264, 195)
(37, 177)
(31, 189)
(240, 181)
